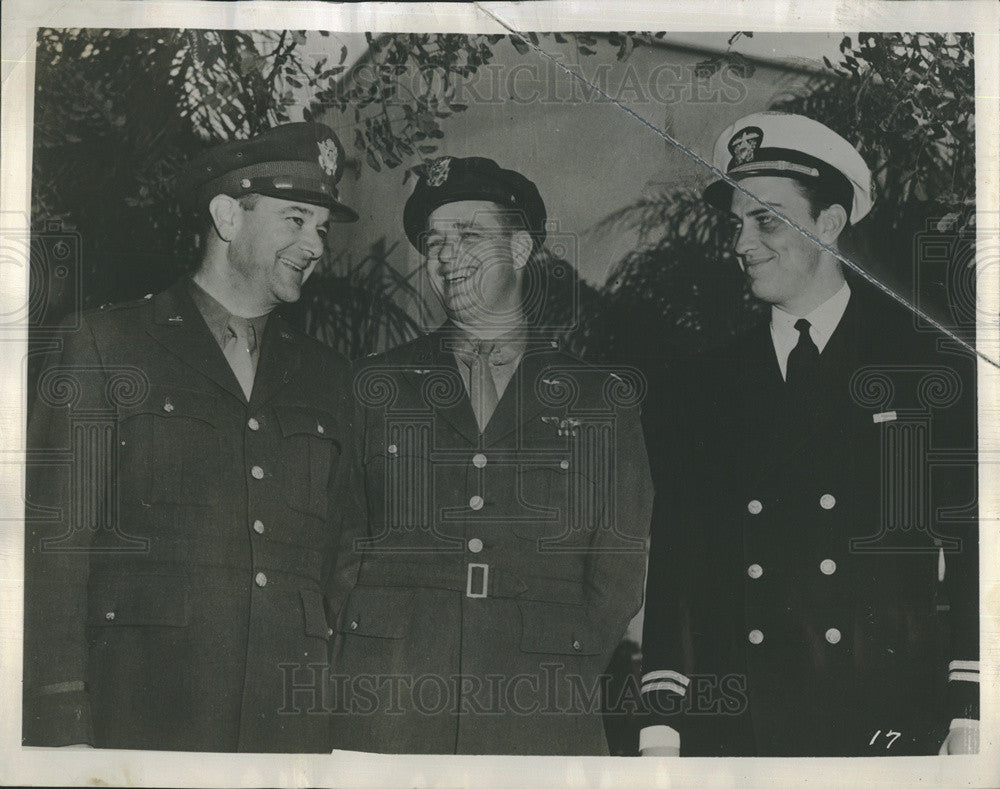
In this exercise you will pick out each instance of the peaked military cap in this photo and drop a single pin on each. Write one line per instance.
(301, 162)
(450, 179)
(791, 146)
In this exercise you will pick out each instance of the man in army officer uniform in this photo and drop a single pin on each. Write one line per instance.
(509, 502)
(813, 570)
(191, 461)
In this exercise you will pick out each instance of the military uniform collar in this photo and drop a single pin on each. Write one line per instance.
(179, 326)
(217, 316)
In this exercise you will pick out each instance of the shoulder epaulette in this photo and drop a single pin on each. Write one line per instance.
(122, 305)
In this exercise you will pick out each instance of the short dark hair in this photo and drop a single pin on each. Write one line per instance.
(821, 194)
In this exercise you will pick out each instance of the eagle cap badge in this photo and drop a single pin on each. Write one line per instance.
(744, 144)
(328, 156)
(437, 171)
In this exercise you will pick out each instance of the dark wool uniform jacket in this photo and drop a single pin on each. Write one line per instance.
(500, 570)
(795, 594)
(181, 543)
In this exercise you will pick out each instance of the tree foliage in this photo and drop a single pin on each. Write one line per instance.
(118, 112)
(677, 291)
(907, 102)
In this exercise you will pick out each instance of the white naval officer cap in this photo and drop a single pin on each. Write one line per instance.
(791, 146)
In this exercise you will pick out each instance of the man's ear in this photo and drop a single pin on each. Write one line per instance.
(521, 244)
(831, 223)
(227, 216)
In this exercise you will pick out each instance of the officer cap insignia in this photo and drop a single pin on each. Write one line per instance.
(298, 162)
(328, 156)
(744, 144)
(437, 171)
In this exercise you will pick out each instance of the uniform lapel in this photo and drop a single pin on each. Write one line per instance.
(280, 358)
(761, 396)
(178, 326)
(431, 355)
(520, 402)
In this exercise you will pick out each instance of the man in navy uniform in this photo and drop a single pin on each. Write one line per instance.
(190, 452)
(806, 544)
(509, 502)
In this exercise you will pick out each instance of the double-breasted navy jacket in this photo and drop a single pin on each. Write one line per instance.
(813, 578)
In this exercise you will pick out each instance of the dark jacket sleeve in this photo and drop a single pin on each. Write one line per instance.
(667, 654)
(960, 564)
(67, 488)
(347, 514)
(616, 562)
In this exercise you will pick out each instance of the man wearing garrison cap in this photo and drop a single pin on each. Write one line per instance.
(181, 578)
(813, 569)
(509, 502)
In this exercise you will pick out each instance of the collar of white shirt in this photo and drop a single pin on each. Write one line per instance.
(822, 322)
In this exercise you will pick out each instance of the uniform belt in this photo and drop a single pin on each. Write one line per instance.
(473, 579)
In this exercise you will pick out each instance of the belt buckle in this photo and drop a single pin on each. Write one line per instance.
(486, 577)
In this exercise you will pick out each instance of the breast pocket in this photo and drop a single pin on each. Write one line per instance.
(310, 451)
(169, 449)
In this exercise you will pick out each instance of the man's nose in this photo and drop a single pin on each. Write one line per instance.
(746, 239)
(446, 253)
(311, 243)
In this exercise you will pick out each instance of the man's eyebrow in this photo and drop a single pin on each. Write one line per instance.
(299, 209)
(439, 229)
(765, 210)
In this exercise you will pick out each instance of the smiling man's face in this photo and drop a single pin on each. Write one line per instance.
(473, 263)
(783, 265)
(276, 247)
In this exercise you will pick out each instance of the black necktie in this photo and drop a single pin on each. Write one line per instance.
(803, 361)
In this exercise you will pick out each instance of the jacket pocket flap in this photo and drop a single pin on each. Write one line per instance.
(155, 600)
(297, 420)
(175, 404)
(555, 629)
(314, 614)
(377, 611)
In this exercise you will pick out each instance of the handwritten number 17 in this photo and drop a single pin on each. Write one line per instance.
(891, 735)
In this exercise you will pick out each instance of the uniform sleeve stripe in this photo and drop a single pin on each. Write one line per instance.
(671, 675)
(967, 676)
(964, 665)
(650, 687)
